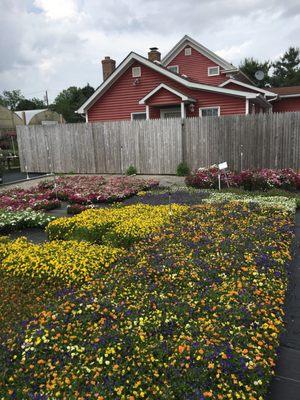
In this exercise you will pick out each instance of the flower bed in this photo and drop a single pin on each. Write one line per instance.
(193, 312)
(120, 226)
(96, 189)
(263, 179)
(67, 261)
(10, 221)
(34, 199)
(82, 190)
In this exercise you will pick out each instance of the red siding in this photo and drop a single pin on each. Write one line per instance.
(234, 86)
(164, 96)
(122, 98)
(196, 66)
(288, 104)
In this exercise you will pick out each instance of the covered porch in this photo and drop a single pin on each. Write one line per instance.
(167, 102)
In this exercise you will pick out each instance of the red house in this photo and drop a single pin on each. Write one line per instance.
(189, 81)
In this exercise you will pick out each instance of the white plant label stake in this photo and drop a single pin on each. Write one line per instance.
(222, 167)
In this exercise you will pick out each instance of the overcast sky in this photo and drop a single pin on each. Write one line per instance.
(54, 44)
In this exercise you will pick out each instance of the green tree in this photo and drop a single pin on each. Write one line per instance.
(250, 66)
(69, 100)
(87, 91)
(30, 104)
(287, 69)
(11, 99)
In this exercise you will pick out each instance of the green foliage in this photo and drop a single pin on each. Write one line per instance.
(249, 66)
(182, 169)
(131, 170)
(15, 101)
(287, 69)
(11, 99)
(69, 100)
(32, 104)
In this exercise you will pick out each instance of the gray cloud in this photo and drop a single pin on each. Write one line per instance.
(52, 44)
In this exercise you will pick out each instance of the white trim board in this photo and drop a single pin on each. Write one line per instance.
(286, 96)
(236, 82)
(132, 57)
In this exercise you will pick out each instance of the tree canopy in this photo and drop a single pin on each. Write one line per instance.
(282, 72)
(69, 100)
(250, 66)
(15, 101)
(11, 99)
(287, 69)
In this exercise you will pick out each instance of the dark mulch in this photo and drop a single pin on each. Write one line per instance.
(178, 197)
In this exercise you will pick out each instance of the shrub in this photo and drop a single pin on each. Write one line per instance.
(182, 169)
(120, 226)
(131, 170)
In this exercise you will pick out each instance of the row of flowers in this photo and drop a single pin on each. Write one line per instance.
(74, 189)
(192, 312)
(263, 179)
(118, 226)
(11, 221)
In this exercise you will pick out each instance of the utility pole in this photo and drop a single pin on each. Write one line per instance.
(46, 98)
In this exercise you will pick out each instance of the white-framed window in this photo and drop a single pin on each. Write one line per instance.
(136, 72)
(209, 111)
(188, 51)
(174, 68)
(173, 112)
(135, 116)
(213, 71)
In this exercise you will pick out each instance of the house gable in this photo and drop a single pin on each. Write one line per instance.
(163, 72)
(165, 94)
(124, 95)
(207, 56)
(188, 41)
(195, 66)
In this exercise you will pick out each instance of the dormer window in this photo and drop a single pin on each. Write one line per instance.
(136, 72)
(187, 51)
(174, 68)
(213, 71)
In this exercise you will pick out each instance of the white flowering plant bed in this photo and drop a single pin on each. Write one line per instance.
(11, 221)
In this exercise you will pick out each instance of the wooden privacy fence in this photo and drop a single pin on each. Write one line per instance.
(158, 146)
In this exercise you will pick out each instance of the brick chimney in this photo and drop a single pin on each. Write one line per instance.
(154, 54)
(108, 67)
